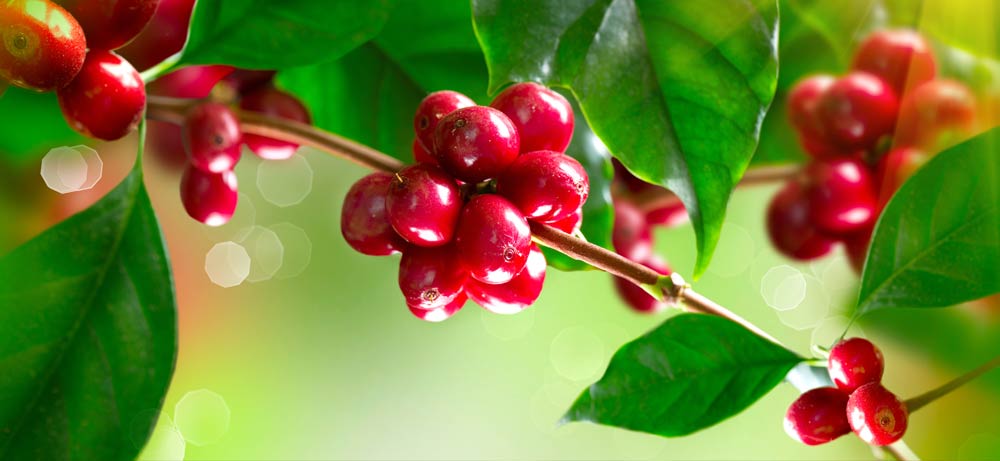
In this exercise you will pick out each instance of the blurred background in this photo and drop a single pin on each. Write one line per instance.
(312, 354)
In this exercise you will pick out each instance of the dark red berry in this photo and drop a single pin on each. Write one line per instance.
(109, 24)
(440, 314)
(106, 99)
(432, 109)
(936, 114)
(421, 154)
(818, 416)
(423, 205)
(894, 168)
(900, 57)
(275, 103)
(244, 81)
(43, 46)
(791, 230)
(543, 118)
(637, 298)
(631, 236)
(855, 362)
(857, 110)
(545, 185)
(209, 197)
(493, 239)
(163, 37)
(841, 195)
(669, 216)
(475, 143)
(876, 415)
(212, 137)
(363, 219)
(193, 82)
(856, 245)
(431, 277)
(571, 223)
(803, 101)
(516, 295)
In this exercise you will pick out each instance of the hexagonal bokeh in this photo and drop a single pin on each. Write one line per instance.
(813, 308)
(267, 253)
(165, 443)
(202, 417)
(285, 182)
(227, 264)
(297, 248)
(71, 169)
(783, 287)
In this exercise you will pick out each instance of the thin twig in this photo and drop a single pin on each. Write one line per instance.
(921, 400)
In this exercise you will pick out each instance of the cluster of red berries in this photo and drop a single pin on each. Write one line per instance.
(460, 215)
(866, 132)
(632, 236)
(858, 403)
(69, 49)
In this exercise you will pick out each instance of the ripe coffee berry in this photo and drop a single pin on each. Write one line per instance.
(669, 216)
(276, 103)
(543, 118)
(493, 239)
(876, 415)
(900, 57)
(935, 110)
(791, 230)
(193, 82)
(421, 154)
(841, 195)
(163, 37)
(571, 223)
(637, 298)
(818, 416)
(857, 110)
(43, 46)
(545, 185)
(803, 101)
(109, 24)
(475, 143)
(432, 109)
(440, 314)
(212, 137)
(855, 362)
(209, 198)
(106, 99)
(631, 236)
(431, 278)
(423, 205)
(517, 294)
(856, 245)
(363, 220)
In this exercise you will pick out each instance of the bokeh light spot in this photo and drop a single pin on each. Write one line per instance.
(297, 249)
(71, 169)
(202, 416)
(577, 354)
(266, 252)
(165, 443)
(285, 182)
(783, 287)
(227, 264)
(815, 306)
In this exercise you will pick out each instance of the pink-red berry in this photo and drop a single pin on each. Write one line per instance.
(631, 236)
(43, 46)
(106, 99)
(163, 37)
(194, 82)
(212, 137)
(790, 228)
(637, 298)
(855, 362)
(543, 118)
(423, 205)
(516, 295)
(475, 143)
(275, 103)
(818, 416)
(109, 24)
(876, 415)
(857, 110)
(571, 223)
(432, 109)
(421, 154)
(363, 220)
(208, 197)
(900, 57)
(842, 195)
(545, 185)
(440, 314)
(803, 101)
(493, 239)
(431, 278)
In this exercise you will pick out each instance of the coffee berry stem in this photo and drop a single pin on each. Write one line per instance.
(657, 198)
(921, 400)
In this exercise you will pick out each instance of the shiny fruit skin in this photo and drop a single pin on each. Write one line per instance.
(431, 278)
(421, 154)
(39, 54)
(791, 230)
(935, 110)
(546, 186)
(194, 82)
(803, 100)
(543, 118)
(212, 137)
(876, 415)
(363, 220)
(475, 143)
(432, 109)
(440, 314)
(631, 236)
(209, 198)
(423, 205)
(493, 239)
(516, 295)
(818, 416)
(855, 362)
(275, 103)
(570, 224)
(106, 99)
(900, 57)
(110, 24)
(669, 216)
(841, 195)
(637, 298)
(857, 110)
(163, 37)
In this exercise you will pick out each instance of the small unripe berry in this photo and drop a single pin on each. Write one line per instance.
(42, 47)
(516, 295)
(855, 362)
(207, 197)
(545, 185)
(791, 230)
(475, 143)
(275, 103)
(876, 415)
(543, 118)
(363, 220)
(423, 205)
(841, 195)
(857, 110)
(936, 114)
(106, 99)
(818, 416)
(493, 239)
(432, 109)
(900, 57)
(212, 137)
(431, 277)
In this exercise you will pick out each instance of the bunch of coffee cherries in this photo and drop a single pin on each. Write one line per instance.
(68, 47)
(460, 215)
(858, 403)
(866, 132)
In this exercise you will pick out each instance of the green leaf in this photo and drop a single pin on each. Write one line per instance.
(937, 242)
(270, 34)
(690, 373)
(31, 124)
(677, 94)
(88, 333)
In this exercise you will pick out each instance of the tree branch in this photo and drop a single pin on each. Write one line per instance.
(921, 400)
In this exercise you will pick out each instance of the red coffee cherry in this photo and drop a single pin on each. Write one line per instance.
(803, 101)
(936, 114)
(637, 298)
(900, 57)
(818, 416)
(571, 223)
(545, 185)
(193, 82)
(856, 245)
(543, 118)
(475, 143)
(876, 415)
(631, 236)
(894, 168)
(669, 216)
(106, 99)
(857, 110)
(440, 314)
(791, 230)
(421, 154)
(363, 219)
(109, 24)
(493, 239)
(245, 81)
(432, 109)
(212, 137)
(841, 195)
(276, 103)
(423, 205)
(209, 198)
(163, 37)
(43, 46)
(516, 295)
(431, 278)
(855, 362)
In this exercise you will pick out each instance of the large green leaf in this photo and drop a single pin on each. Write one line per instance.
(275, 34)
(676, 89)
(690, 373)
(87, 333)
(937, 242)
(31, 124)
